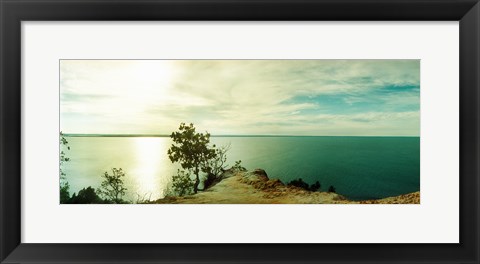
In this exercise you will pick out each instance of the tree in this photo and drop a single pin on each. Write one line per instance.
(112, 188)
(192, 151)
(64, 185)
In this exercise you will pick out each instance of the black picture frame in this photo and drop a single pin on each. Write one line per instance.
(13, 12)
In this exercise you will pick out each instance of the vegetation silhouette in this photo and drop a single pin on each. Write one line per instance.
(300, 183)
(86, 196)
(64, 185)
(112, 188)
(332, 189)
(215, 167)
(192, 150)
(238, 166)
(181, 185)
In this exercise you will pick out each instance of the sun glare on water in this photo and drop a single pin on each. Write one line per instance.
(150, 159)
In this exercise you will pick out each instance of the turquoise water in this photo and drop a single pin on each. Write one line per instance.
(358, 167)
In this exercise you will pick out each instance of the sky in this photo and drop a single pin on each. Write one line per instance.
(241, 97)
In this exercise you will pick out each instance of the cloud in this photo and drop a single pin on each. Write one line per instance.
(368, 97)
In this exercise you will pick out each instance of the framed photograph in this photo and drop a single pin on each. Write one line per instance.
(239, 131)
(311, 131)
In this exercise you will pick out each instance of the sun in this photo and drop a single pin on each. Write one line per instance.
(153, 80)
(153, 70)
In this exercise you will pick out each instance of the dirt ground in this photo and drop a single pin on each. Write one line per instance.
(255, 188)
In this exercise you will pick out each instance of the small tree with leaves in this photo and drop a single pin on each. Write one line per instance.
(181, 184)
(192, 151)
(238, 166)
(112, 188)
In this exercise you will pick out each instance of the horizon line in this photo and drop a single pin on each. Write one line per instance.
(211, 135)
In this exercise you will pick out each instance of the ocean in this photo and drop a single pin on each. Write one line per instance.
(358, 167)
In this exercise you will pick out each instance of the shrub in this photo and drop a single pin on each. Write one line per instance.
(238, 167)
(215, 167)
(64, 191)
(332, 189)
(181, 185)
(112, 188)
(300, 183)
(143, 199)
(85, 196)
(315, 187)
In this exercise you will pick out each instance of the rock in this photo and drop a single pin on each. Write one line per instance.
(228, 173)
(259, 179)
(257, 175)
(339, 197)
(261, 174)
(274, 183)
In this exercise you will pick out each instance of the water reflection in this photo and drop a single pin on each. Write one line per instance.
(358, 167)
(150, 163)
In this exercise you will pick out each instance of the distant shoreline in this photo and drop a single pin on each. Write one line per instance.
(156, 135)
